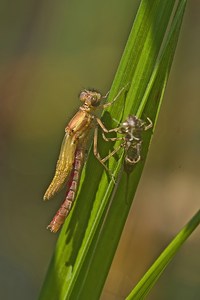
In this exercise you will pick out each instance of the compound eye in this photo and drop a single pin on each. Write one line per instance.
(83, 96)
(95, 100)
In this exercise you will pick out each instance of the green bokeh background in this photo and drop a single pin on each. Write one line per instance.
(49, 51)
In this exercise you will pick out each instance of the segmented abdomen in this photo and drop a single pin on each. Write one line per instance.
(65, 208)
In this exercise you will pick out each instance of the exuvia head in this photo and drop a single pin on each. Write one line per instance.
(132, 122)
(90, 98)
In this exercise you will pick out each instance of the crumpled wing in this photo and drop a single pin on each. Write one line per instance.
(63, 167)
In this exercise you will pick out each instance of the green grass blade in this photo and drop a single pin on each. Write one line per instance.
(88, 240)
(118, 212)
(152, 275)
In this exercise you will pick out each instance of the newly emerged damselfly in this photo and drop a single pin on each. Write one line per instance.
(73, 149)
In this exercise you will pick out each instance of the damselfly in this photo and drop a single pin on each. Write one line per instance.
(73, 148)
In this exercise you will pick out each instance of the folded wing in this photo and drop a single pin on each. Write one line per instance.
(63, 167)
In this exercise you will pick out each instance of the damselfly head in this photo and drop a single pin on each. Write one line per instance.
(90, 98)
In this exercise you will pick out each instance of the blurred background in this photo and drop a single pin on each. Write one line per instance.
(49, 51)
